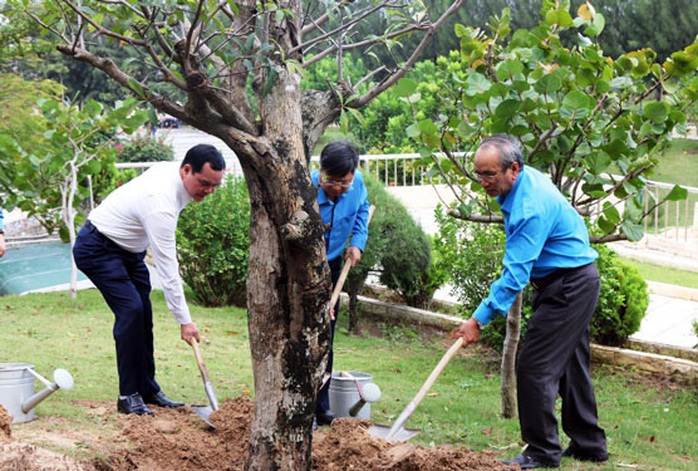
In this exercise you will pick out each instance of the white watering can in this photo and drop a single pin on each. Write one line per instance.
(17, 389)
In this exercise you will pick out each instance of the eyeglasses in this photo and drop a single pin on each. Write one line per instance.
(488, 176)
(340, 183)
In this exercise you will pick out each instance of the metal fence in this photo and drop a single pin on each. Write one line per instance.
(674, 220)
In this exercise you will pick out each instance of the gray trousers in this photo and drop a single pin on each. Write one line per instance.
(555, 360)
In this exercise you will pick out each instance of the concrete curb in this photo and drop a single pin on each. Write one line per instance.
(641, 360)
(672, 291)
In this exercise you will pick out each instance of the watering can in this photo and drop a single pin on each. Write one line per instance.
(17, 389)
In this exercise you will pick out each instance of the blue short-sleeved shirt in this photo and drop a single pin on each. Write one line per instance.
(348, 216)
(544, 233)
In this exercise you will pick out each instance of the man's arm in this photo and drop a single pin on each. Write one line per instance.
(160, 228)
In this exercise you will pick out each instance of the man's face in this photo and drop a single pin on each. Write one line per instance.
(493, 178)
(200, 185)
(334, 185)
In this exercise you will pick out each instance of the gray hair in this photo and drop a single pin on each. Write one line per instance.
(508, 147)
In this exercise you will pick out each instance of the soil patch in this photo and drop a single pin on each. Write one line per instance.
(179, 439)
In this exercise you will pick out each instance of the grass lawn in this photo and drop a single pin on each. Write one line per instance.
(672, 276)
(650, 422)
(678, 164)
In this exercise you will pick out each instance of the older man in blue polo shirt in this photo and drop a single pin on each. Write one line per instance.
(547, 243)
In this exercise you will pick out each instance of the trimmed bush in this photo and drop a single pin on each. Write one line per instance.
(623, 300)
(398, 251)
(145, 149)
(213, 241)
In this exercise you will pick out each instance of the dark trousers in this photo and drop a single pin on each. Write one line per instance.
(123, 279)
(323, 396)
(555, 360)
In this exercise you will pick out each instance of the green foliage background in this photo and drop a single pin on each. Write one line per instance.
(213, 245)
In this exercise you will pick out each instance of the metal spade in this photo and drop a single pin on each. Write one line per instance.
(204, 411)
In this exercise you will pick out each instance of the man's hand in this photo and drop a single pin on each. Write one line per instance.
(2, 244)
(469, 331)
(352, 255)
(189, 331)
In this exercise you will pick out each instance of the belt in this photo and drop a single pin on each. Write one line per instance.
(540, 283)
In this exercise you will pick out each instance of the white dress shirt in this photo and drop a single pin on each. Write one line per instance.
(143, 213)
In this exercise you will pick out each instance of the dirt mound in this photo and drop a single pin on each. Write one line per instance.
(5, 424)
(179, 439)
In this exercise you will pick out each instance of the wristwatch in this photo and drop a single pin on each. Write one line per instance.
(480, 325)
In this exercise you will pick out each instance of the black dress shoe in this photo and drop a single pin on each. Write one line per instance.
(132, 404)
(325, 418)
(528, 462)
(582, 456)
(159, 399)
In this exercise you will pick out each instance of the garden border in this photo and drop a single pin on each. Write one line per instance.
(649, 359)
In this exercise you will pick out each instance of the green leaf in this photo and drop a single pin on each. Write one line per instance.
(405, 87)
(477, 84)
(632, 230)
(676, 194)
(656, 111)
(509, 69)
(548, 84)
(507, 109)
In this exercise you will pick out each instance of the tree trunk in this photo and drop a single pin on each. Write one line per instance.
(288, 285)
(511, 344)
(354, 314)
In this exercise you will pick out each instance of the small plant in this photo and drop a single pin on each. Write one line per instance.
(145, 149)
(214, 245)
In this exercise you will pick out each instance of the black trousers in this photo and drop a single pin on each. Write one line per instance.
(555, 360)
(323, 397)
(123, 279)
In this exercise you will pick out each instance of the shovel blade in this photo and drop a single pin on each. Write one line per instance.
(204, 412)
(400, 435)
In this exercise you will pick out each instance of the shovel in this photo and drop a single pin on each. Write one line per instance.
(204, 411)
(397, 432)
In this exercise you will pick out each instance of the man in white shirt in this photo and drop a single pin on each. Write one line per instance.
(110, 249)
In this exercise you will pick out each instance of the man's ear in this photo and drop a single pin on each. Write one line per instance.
(515, 167)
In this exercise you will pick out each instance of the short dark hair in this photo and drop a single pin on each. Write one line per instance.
(339, 158)
(201, 154)
(508, 147)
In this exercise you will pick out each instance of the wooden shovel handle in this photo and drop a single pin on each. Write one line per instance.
(407, 412)
(199, 360)
(437, 370)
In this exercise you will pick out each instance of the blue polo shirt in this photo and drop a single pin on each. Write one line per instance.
(348, 216)
(544, 233)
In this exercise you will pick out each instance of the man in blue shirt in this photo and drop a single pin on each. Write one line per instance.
(547, 243)
(344, 209)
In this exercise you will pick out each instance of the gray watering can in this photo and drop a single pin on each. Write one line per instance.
(17, 389)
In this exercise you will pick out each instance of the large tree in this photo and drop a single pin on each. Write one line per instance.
(239, 65)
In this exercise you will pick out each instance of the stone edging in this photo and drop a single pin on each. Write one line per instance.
(647, 362)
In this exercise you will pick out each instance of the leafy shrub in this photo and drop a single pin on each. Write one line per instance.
(622, 302)
(398, 250)
(145, 149)
(213, 244)
(472, 254)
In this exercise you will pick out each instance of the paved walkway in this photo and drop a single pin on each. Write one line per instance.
(671, 310)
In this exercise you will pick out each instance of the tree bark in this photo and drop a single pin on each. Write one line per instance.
(508, 369)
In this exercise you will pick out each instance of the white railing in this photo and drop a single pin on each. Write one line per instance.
(674, 220)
